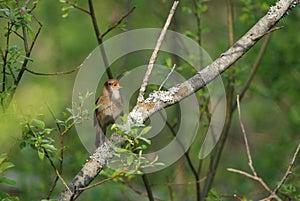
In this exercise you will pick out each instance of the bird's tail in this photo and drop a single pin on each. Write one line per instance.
(100, 135)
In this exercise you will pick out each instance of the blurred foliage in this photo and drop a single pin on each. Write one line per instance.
(213, 196)
(132, 151)
(270, 108)
(4, 166)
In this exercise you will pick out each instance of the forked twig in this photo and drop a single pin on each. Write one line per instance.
(254, 176)
(57, 172)
(155, 52)
(119, 21)
(288, 171)
(78, 7)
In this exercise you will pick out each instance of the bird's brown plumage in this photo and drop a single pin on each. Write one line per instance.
(109, 109)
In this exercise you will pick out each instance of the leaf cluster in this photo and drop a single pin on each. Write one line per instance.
(37, 136)
(129, 158)
(5, 165)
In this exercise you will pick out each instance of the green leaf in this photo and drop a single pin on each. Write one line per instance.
(38, 123)
(3, 158)
(6, 197)
(114, 126)
(5, 165)
(30, 32)
(137, 125)
(145, 140)
(69, 110)
(187, 9)
(213, 196)
(159, 164)
(124, 118)
(13, 48)
(142, 147)
(22, 145)
(48, 130)
(169, 62)
(121, 150)
(49, 147)
(27, 17)
(5, 10)
(41, 153)
(130, 159)
(145, 130)
(7, 181)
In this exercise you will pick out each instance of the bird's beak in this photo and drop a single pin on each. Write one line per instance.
(118, 86)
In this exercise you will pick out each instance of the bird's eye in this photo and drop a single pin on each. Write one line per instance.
(109, 83)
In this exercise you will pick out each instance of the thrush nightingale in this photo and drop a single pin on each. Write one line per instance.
(109, 108)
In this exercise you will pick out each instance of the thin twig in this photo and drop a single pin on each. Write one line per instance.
(254, 175)
(2, 54)
(270, 31)
(180, 184)
(5, 55)
(228, 121)
(57, 172)
(54, 118)
(155, 52)
(119, 22)
(53, 187)
(127, 183)
(288, 171)
(164, 82)
(186, 155)
(78, 7)
(253, 69)
(229, 6)
(34, 5)
(99, 38)
(17, 34)
(170, 189)
(61, 152)
(197, 15)
(256, 178)
(37, 33)
(11, 73)
(230, 90)
(238, 197)
(26, 4)
(101, 182)
(74, 121)
(250, 163)
(55, 73)
(148, 187)
(26, 47)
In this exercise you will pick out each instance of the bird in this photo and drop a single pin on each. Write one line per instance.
(109, 106)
